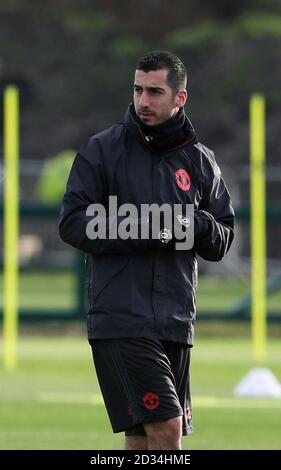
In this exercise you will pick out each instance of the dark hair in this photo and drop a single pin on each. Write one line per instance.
(158, 60)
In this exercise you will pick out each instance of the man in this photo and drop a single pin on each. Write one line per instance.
(142, 290)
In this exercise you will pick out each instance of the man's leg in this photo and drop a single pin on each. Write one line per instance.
(164, 435)
(129, 372)
(136, 443)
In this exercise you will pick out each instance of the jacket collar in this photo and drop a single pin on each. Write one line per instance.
(170, 135)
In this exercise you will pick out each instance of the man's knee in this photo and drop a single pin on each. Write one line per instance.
(164, 434)
(136, 443)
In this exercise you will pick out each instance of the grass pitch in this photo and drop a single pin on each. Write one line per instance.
(52, 399)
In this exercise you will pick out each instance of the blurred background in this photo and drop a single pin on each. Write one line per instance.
(74, 63)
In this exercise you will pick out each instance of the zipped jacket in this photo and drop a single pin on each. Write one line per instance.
(144, 287)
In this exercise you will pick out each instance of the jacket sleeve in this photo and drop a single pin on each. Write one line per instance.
(87, 185)
(214, 220)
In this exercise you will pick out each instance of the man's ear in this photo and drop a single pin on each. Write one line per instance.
(181, 98)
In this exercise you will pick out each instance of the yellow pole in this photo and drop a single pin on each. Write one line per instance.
(258, 225)
(11, 224)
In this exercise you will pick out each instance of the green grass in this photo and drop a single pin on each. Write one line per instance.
(45, 290)
(52, 400)
(219, 293)
(54, 291)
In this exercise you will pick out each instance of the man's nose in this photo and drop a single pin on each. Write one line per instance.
(144, 101)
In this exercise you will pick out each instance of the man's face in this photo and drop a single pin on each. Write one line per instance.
(153, 98)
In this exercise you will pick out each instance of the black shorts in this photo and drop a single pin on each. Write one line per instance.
(142, 381)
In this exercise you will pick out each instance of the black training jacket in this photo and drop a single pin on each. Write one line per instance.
(139, 288)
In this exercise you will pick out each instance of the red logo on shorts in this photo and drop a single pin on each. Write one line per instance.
(183, 179)
(151, 401)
